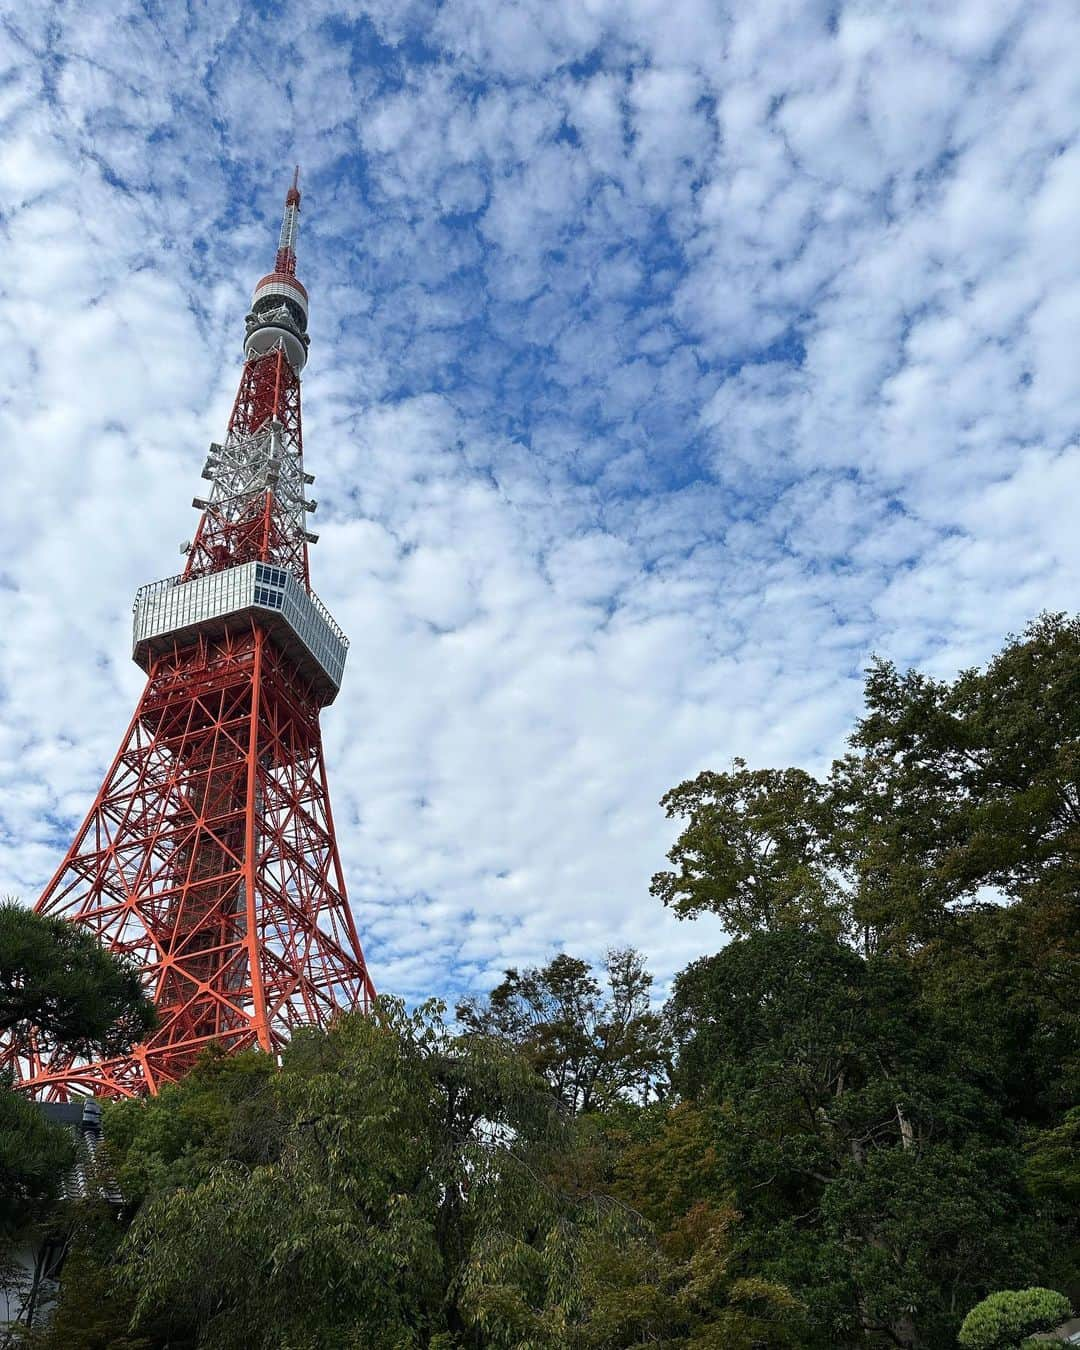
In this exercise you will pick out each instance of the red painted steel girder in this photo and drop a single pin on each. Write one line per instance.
(209, 859)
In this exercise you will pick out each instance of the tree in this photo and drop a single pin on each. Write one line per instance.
(699, 1288)
(996, 754)
(949, 788)
(867, 1154)
(395, 1185)
(1052, 1174)
(1053, 1166)
(92, 1314)
(1003, 1320)
(34, 1157)
(621, 1286)
(590, 1047)
(393, 1157)
(56, 978)
(944, 847)
(961, 811)
(223, 1111)
(755, 850)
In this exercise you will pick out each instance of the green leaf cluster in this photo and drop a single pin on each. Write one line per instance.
(57, 980)
(1003, 1320)
(592, 1047)
(889, 1049)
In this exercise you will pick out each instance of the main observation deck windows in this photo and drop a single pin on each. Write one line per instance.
(175, 611)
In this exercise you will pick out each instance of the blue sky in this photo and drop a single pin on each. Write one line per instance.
(668, 360)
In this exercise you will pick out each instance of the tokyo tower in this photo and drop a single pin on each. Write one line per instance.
(208, 858)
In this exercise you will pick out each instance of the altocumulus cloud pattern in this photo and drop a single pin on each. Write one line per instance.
(668, 359)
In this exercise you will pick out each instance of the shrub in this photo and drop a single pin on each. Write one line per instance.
(1001, 1321)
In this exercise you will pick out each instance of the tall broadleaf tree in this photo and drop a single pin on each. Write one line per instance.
(591, 1045)
(864, 1147)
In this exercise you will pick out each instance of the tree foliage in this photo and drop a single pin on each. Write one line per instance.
(988, 766)
(380, 1156)
(754, 851)
(862, 1145)
(56, 978)
(890, 1045)
(1003, 1320)
(393, 1185)
(34, 1155)
(949, 788)
(589, 1046)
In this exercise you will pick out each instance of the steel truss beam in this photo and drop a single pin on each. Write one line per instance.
(208, 859)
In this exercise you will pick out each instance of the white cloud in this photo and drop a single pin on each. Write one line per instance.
(668, 359)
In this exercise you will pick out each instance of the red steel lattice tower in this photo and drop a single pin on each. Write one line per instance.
(208, 857)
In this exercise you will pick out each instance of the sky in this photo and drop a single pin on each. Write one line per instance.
(669, 359)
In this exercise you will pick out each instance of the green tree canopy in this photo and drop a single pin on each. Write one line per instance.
(754, 850)
(34, 1157)
(394, 1196)
(1004, 1319)
(956, 786)
(56, 977)
(870, 1159)
(950, 788)
(591, 1046)
(393, 1186)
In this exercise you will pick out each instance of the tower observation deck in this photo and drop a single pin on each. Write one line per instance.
(208, 858)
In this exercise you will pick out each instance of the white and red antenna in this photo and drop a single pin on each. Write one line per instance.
(279, 306)
(290, 223)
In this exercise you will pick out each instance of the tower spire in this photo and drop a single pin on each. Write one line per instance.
(285, 262)
(209, 857)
